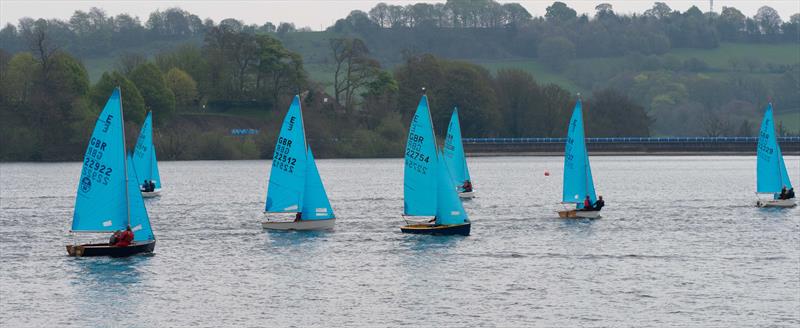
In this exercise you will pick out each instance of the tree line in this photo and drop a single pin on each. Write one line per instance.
(48, 105)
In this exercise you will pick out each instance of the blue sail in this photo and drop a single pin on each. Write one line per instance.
(144, 155)
(140, 222)
(288, 173)
(419, 173)
(454, 152)
(578, 180)
(100, 204)
(449, 209)
(771, 174)
(316, 205)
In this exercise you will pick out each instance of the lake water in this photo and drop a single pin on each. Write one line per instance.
(680, 244)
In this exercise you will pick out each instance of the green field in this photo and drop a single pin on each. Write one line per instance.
(720, 57)
(790, 120)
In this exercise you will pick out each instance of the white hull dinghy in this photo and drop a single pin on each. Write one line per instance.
(455, 159)
(302, 225)
(780, 203)
(151, 194)
(294, 182)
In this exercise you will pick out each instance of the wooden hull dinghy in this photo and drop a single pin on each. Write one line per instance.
(437, 229)
(576, 214)
(108, 196)
(429, 189)
(466, 195)
(87, 250)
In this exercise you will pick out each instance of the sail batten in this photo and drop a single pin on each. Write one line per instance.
(420, 165)
(454, 152)
(578, 181)
(771, 173)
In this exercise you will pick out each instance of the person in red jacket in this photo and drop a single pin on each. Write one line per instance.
(125, 238)
(587, 204)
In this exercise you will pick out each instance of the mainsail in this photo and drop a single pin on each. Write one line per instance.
(578, 182)
(419, 173)
(454, 152)
(288, 173)
(144, 156)
(771, 174)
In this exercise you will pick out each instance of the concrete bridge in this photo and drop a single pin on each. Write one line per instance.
(628, 146)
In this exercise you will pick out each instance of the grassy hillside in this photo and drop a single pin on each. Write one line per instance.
(720, 57)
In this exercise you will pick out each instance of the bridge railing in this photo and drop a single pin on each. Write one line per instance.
(623, 140)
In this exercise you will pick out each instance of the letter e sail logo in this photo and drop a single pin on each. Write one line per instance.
(86, 184)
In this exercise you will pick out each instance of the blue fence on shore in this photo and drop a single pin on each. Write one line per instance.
(628, 140)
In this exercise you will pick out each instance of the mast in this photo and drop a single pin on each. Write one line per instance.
(124, 159)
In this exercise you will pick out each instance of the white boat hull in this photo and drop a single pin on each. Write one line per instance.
(468, 194)
(781, 203)
(151, 194)
(302, 225)
(575, 214)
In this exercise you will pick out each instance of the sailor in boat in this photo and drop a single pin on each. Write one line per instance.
(598, 205)
(587, 204)
(124, 238)
(114, 238)
(148, 186)
(786, 194)
(467, 187)
(298, 217)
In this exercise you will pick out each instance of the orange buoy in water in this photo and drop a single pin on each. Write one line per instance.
(546, 173)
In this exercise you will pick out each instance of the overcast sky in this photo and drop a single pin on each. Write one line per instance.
(319, 14)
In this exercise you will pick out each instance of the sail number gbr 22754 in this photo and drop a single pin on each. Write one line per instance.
(416, 160)
(280, 158)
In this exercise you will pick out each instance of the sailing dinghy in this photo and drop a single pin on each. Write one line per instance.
(294, 182)
(456, 159)
(771, 174)
(108, 197)
(428, 188)
(144, 160)
(578, 182)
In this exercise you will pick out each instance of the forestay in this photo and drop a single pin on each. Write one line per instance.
(770, 167)
(144, 156)
(419, 173)
(316, 205)
(454, 152)
(578, 180)
(100, 204)
(288, 173)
